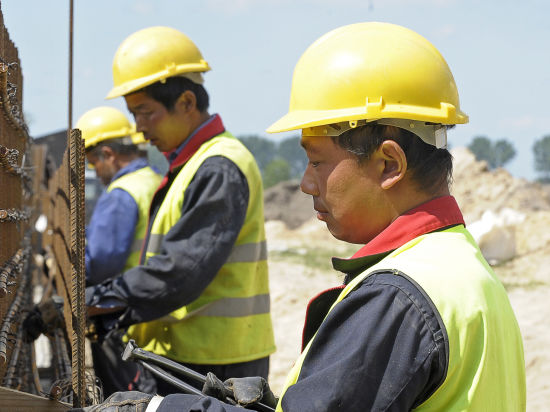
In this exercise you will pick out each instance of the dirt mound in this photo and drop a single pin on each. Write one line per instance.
(286, 202)
(478, 189)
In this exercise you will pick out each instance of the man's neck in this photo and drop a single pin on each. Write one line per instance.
(123, 161)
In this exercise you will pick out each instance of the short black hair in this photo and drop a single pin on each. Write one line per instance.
(429, 166)
(119, 145)
(168, 92)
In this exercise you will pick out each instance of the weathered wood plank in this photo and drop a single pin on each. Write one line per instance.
(16, 401)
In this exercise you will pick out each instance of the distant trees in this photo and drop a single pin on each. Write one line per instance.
(278, 170)
(541, 151)
(278, 161)
(497, 153)
(291, 150)
(262, 149)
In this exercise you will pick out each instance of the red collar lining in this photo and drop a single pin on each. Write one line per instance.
(428, 217)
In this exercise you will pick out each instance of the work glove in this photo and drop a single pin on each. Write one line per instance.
(133, 401)
(244, 391)
(43, 318)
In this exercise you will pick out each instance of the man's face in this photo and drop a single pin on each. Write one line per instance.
(347, 195)
(164, 129)
(104, 165)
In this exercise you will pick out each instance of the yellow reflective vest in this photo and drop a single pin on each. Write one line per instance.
(230, 322)
(141, 185)
(486, 370)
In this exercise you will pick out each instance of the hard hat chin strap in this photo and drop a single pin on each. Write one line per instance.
(431, 133)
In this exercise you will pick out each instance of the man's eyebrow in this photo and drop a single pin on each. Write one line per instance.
(138, 107)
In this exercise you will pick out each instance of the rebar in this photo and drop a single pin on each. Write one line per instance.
(9, 161)
(62, 386)
(78, 305)
(13, 215)
(11, 269)
(12, 107)
(63, 363)
(13, 373)
(12, 316)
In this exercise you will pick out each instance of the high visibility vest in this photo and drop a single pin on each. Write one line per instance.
(230, 321)
(486, 369)
(141, 185)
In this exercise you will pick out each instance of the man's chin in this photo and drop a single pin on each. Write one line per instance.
(343, 236)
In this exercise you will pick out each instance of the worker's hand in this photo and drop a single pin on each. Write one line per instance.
(133, 401)
(244, 391)
(43, 318)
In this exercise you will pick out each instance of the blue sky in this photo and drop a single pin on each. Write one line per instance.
(498, 51)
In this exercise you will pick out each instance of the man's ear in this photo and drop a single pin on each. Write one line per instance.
(187, 102)
(395, 163)
(106, 152)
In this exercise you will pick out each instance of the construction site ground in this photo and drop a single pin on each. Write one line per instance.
(300, 249)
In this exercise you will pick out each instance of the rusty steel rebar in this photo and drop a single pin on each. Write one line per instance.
(62, 360)
(13, 373)
(8, 98)
(11, 269)
(77, 292)
(9, 161)
(12, 316)
(13, 215)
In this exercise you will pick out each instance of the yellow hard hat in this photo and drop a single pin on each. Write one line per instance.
(155, 54)
(371, 71)
(137, 137)
(103, 123)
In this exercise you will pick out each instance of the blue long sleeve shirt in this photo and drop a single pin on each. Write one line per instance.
(110, 233)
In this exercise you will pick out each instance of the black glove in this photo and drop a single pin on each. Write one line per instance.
(244, 391)
(133, 401)
(43, 318)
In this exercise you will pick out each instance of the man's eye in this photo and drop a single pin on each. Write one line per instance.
(314, 164)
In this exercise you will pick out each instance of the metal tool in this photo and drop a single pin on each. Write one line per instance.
(135, 353)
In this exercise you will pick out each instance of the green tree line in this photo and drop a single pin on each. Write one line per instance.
(499, 152)
(278, 161)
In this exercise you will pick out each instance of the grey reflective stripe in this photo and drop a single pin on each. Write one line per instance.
(136, 245)
(238, 307)
(153, 245)
(229, 308)
(248, 252)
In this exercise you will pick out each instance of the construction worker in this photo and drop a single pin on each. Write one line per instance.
(117, 225)
(200, 294)
(118, 222)
(421, 321)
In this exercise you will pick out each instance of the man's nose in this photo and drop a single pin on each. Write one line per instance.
(307, 185)
(140, 126)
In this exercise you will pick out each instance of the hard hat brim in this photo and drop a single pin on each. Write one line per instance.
(137, 84)
(300, 119)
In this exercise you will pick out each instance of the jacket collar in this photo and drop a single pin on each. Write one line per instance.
(179, 156)
(436, 214)
(134, 165)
